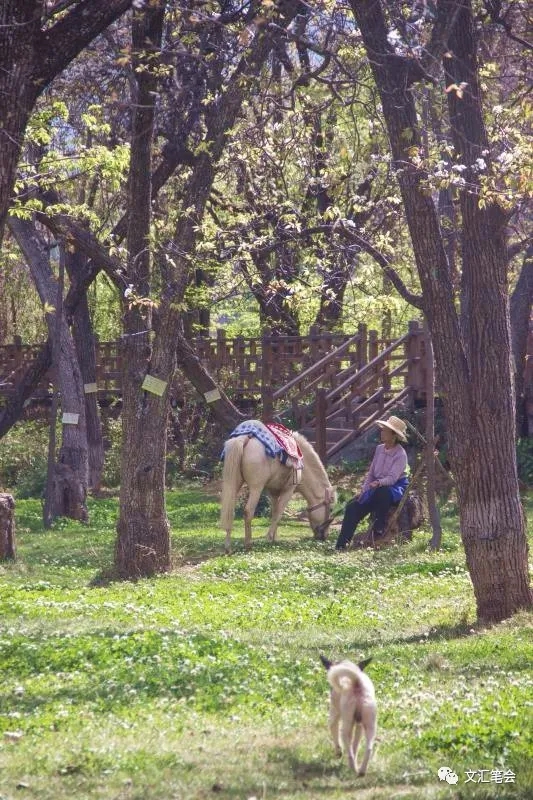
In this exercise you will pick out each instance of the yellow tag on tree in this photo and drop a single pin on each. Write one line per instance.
(154, 385)
(211, 396)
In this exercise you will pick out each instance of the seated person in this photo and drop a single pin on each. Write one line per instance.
(384, 484)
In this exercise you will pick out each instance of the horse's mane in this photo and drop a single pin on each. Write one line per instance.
(312, 461)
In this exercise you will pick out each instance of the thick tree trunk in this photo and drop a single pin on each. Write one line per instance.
(71, 472)
(473, 364)
(143, 541)
(83, 335)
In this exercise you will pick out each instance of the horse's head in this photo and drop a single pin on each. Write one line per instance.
(320, 514)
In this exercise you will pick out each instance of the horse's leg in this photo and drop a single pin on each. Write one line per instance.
(278, 507)
(249, 511)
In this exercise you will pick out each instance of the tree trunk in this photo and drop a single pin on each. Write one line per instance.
(19, 23)
(71, 472)
(474, 364)
(143, 542)
(7, 527)
(520, 312)
(429, 453)
(83, 335)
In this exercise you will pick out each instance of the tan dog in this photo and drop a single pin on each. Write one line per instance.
(352, 705)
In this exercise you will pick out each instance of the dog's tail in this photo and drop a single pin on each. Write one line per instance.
(346, 676)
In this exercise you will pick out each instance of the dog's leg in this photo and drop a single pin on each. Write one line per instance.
(370, 736)
(347, 723)
(356, 740)
(334, 720)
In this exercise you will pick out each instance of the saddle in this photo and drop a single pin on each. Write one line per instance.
(288, 444)
(277, 440)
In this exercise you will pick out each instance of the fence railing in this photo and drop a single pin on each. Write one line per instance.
(247, 367)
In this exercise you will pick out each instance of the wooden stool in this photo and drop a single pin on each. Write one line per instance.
(399, 526)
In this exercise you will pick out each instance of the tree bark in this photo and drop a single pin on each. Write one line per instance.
(143, 543)
(8, 548)
(520, 312)
(473, 364)
(84, 341)
(429, 450)
(71, 472)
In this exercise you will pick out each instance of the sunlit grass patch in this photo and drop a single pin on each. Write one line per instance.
(206, 681)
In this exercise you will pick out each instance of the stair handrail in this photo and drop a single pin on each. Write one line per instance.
(316, 367)
(394, 401)
(346, 384)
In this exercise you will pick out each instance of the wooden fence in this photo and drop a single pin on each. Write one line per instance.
(246, 367)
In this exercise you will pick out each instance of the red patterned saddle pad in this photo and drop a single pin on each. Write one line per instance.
(287, 441)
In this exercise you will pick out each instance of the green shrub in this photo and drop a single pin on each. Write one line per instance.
(524, 458)
(112, 430)
(23, 459)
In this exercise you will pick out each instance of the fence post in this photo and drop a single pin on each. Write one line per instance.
(220, 355)
(362, 346)
(314, 336)
(373, 351)
(320, 417)
(18, 355)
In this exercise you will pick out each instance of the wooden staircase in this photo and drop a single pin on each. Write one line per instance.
(338, 398)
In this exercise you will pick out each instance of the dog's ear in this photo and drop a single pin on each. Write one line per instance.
(327, 663)
(365, 663)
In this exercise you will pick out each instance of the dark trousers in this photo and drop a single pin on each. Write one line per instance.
(379, 504)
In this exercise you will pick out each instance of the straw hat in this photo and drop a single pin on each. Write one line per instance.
(396, 425)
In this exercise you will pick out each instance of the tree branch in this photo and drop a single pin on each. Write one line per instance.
(415, 300)
(59, 44)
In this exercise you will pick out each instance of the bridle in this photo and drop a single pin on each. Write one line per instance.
(327, 502)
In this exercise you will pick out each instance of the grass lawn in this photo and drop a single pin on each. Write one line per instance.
(206, 683)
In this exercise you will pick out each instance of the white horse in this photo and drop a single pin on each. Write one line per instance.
(246, 462)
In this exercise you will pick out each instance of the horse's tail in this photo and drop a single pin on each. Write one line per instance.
(231, 480)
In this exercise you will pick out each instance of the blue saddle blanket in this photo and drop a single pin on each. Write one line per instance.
(255, 428)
